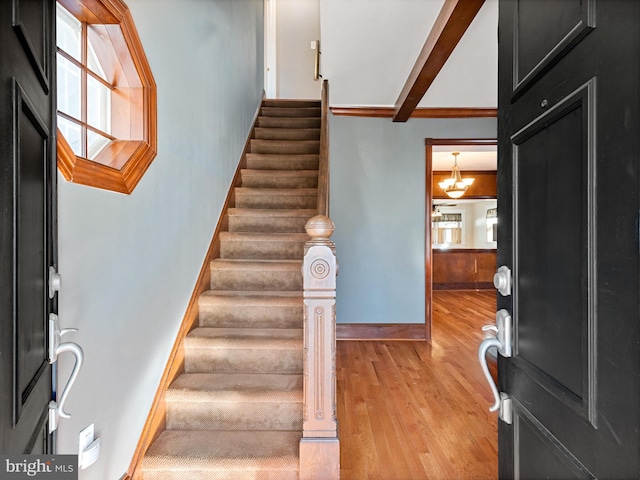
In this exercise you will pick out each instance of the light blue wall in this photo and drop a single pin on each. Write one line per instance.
(377, 205)
(129, 263)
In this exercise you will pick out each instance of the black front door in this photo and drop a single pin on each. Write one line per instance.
(27, 215)
(568, 183)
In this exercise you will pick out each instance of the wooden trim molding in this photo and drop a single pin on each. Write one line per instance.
(380, 331)
(156, 420)
(427, 112)
(453, 20)
(122, 164)
(460, 141)
(428, 241)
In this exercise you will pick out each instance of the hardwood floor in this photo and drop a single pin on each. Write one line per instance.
(419, 410)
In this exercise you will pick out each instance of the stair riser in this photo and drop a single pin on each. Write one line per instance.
(282, 162)
(223, 360)
(290, 112)
(286, 147)
(252, 223)
(287, 133)
(256, 280)
(219, 474)
(280, 103)
(279, 181)
(237, 415)
(261, 250)
(250, 316)
(288, 122)
(264, 200)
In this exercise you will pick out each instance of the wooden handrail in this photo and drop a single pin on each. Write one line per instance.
(323, 172)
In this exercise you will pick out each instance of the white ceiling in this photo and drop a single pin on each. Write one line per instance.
(370, 46)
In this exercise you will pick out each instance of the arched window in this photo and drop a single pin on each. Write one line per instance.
(106, 96)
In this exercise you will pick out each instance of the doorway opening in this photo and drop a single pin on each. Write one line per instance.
(460, 228)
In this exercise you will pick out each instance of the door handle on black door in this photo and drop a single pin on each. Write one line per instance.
(503, 341)
(56, 408)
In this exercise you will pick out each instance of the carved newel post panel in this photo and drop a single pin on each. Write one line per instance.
(319, 447)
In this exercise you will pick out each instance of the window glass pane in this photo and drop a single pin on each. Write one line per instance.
(98, 105)
(95, 144)
(447, 230)
(72, 133)
(93, 62)
(68, 30)
(492, 229)
(69, 89)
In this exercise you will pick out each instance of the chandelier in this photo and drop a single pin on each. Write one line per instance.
(455, 186)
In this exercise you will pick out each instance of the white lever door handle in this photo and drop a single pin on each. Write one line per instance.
(482, 357)
(79, 355)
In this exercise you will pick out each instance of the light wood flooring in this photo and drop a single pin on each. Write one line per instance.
(419, 410)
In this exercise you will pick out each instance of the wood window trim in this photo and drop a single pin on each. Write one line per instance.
(122, 164)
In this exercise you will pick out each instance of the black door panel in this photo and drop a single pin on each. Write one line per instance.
(27, 213)
(31, 22)
(568, 202)
(542, 37)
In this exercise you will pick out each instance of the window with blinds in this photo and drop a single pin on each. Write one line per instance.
(447, 230)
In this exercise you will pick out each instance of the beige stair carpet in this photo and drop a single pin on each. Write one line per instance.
(236, 412)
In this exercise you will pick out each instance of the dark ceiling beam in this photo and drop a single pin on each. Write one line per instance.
(453, 20)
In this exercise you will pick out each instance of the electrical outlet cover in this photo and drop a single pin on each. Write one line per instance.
(84, 440)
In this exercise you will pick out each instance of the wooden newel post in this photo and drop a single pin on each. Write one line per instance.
(319, 447)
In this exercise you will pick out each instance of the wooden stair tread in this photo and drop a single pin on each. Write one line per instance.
(276, 191)
(290, 102)
(279, 173)
(248, 296)
(236, 387)
(264, 338)
(284, 133)
(232, 264)
(288, 122)
(264, 237)
(282, 161)
(214, 450)
(259, 141)
(290, 111)
(273, 212)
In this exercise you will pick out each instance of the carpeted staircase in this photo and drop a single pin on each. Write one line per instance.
(236, 412)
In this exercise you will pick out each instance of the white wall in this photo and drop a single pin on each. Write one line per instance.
(480, 224)
(378, 207)
(298, 23)
(129, 263)
(370, 47)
